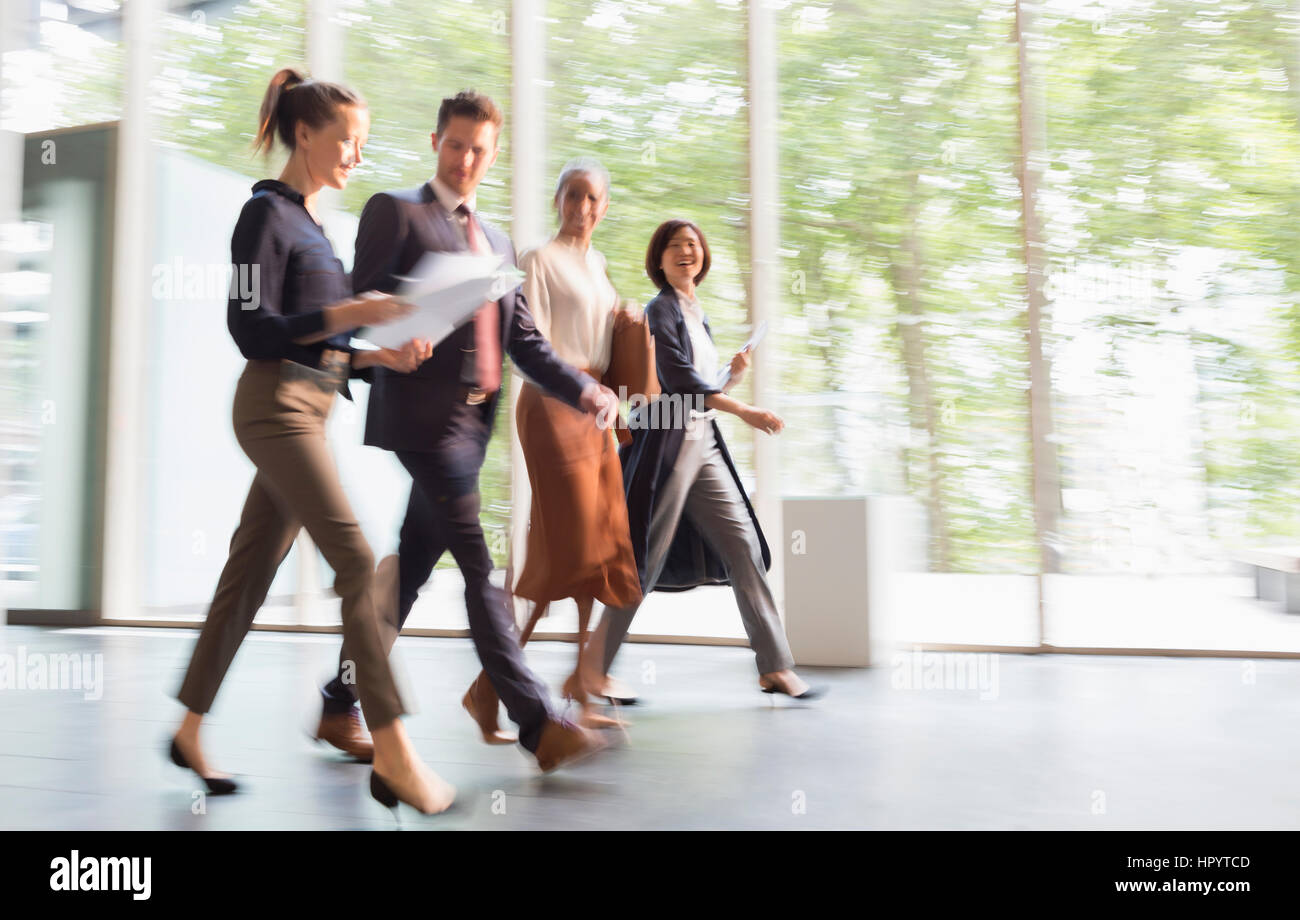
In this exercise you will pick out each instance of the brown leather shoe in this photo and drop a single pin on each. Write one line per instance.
(343, 730)
(564, 743)
(481, 702)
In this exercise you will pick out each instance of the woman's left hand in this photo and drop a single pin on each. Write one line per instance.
(765, 421)
(739, 364)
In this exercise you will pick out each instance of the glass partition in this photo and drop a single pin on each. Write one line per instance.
(1169, 203)
(1162, 144)
(62, 70)
(438, 49)
(657, 93)
(213, 66)
(903, 360)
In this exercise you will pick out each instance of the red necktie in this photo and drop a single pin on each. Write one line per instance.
(487, 321)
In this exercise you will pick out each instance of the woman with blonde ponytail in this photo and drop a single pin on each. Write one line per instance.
(293, 323)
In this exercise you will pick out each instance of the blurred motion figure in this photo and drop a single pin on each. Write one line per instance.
(294, 331)
(438, 420)
(579, 545)
(691, 521)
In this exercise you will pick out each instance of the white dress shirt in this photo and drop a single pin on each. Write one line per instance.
(451, 201)
(702, 347)
(706, 354)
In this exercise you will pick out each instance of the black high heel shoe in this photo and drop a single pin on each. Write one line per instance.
(216, 785)
(617, 700)
(811, 693)
(382, 793)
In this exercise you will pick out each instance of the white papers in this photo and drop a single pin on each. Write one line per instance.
(724, 375)
(446, 289)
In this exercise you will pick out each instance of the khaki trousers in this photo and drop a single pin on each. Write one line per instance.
(279, 416)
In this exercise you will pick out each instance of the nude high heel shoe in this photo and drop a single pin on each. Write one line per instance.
(421, 788)
(590, 718)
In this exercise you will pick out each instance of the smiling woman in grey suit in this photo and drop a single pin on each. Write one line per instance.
(294, 331)
(690, 519)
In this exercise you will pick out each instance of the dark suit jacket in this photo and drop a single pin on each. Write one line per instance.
(412, 411)
(648, 460)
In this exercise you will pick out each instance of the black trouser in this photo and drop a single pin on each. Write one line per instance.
(443, 514)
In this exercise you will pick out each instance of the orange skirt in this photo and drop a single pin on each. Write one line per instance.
(579, 544)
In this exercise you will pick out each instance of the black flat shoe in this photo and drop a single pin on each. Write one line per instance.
(622, 700)
(216, 785)
(812, 693)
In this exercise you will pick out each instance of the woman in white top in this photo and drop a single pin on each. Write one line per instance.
(579, 544)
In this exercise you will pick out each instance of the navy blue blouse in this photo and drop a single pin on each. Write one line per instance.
(285, 273)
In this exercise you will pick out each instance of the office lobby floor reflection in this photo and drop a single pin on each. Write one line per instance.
(923, 741)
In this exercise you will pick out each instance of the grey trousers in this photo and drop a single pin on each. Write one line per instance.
(700, 487)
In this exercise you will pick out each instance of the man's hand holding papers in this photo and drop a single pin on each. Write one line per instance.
(445, 288)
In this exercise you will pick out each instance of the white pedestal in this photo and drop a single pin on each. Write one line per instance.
(836, 570)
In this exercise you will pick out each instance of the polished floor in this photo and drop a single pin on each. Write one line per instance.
(925, 741)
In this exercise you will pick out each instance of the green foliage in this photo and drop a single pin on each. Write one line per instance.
(1167, 194)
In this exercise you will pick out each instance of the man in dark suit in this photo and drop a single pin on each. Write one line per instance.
(438, 420)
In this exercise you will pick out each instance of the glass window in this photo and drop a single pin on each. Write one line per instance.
(438, 50)
(657, 93)
(62, 69)
(902, 354)
(214, 65)
(1169, 201)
